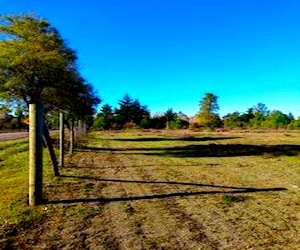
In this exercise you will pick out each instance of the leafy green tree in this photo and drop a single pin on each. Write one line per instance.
(141, 112)
(294, 124)
(158, 122)
(146, 123)
(37, 66)
(176, 120)
(276, 119)
(181, 121)
(233, 120)
(105, 118)
(170, 116)
(130, 111)
(260, 112)
(83, 103)
(34, 59)
(262, 109)
(209, 104)
(5, 108)
(178, 123)
(125, 112)
(20, 114)
(247, 116)
(208, 115)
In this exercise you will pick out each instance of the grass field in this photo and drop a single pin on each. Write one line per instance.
(161, 190)
(15, 214)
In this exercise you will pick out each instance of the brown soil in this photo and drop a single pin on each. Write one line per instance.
(106, 200)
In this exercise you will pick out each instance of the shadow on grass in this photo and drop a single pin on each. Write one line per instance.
(161, 196)
(145, 139)
(210, 150)
(230, 150)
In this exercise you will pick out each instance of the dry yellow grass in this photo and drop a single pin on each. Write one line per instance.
(174, 190)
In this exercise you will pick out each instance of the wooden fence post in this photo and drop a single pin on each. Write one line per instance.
(36, 123)
(51, 153)
(61, 139)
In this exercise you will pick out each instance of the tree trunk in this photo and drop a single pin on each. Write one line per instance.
(71, 138)
(61, 139)
(47, 140)
(84, 128)
(80, 128)
(36, 117)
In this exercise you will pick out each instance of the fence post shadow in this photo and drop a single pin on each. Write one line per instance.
(233, 190)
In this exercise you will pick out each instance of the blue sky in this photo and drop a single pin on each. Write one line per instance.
(169, 53)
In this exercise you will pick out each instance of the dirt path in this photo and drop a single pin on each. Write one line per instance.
(112, 196)
(96, 211)
(13, 136)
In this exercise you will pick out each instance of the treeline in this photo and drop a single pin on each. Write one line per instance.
(37, 67)
(259, 117)
(131, 114)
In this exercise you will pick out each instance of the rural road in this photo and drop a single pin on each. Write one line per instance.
(12, 136)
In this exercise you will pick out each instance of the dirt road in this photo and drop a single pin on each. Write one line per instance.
(13, 136)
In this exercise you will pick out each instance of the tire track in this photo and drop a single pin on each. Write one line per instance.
(150, 223)
(184, 219)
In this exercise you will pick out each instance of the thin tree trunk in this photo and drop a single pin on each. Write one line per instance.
(47, 140)
(80, 127)
(84, 128)
(36, 117)
(61, 139)
(71, 138)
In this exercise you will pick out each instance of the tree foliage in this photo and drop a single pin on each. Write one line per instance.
(209, 104)
(233, 120)
(276, 119)
(105, 118)
(208, 116)
(37, 66)
(260, 117)
(33, 58)
(130, 112)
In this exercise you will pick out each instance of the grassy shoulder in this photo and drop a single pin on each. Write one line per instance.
(15, 214)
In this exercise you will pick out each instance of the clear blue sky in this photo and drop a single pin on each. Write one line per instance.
(169, 53)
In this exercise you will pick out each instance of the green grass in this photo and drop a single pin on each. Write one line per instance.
(15, 214)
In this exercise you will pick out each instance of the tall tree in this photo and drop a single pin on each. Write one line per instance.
(233, 120)
(209, 104)
(105, 118)
(170, 116)
(276, 119)
(208, 115)
(33, 58)
(130, 111)
(260, 112)
(37, 67)
(247, 116)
